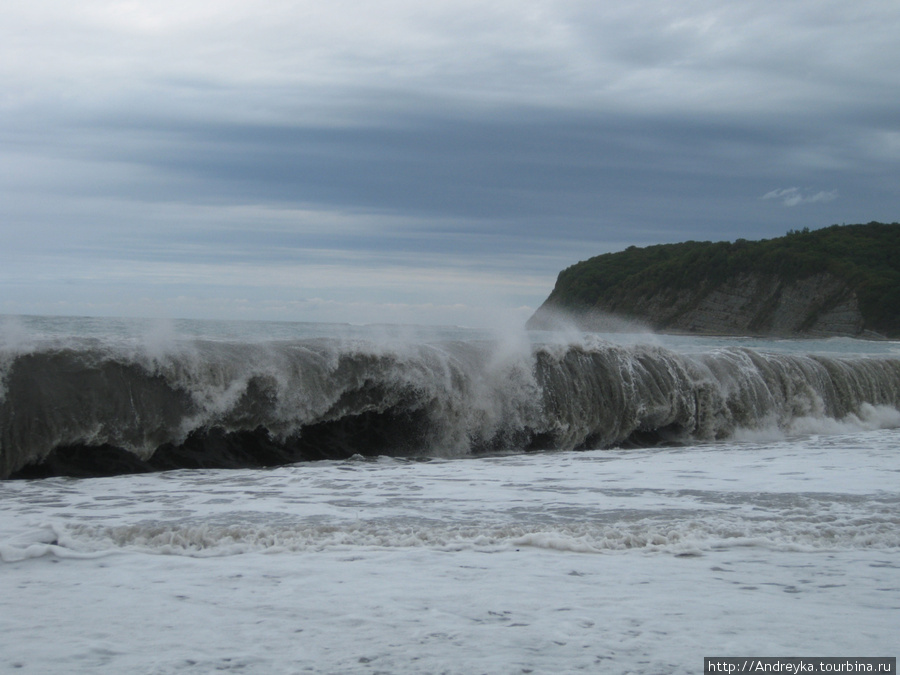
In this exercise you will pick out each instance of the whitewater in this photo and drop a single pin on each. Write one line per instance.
(198, 497)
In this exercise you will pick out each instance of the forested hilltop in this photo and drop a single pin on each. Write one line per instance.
(839, 280)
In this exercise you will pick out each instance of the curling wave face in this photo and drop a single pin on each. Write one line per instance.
(86, 406)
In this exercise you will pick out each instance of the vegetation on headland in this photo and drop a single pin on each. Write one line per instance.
(865, 257)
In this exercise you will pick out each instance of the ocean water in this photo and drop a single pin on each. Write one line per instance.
(453, 501)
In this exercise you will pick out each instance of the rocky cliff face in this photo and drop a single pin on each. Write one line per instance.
(747, 304)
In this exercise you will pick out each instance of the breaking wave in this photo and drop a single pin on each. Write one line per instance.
(84, 406)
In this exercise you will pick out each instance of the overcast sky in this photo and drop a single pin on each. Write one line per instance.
(419, 162)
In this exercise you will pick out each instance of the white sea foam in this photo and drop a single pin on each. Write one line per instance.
(823, 530)
(630, 560)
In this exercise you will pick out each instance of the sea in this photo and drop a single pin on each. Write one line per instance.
(192, 497)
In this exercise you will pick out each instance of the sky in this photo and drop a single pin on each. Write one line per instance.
(396, 161)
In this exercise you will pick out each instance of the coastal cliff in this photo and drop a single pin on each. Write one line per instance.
(837, 281)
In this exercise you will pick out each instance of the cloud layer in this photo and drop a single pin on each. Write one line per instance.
(437, 160)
